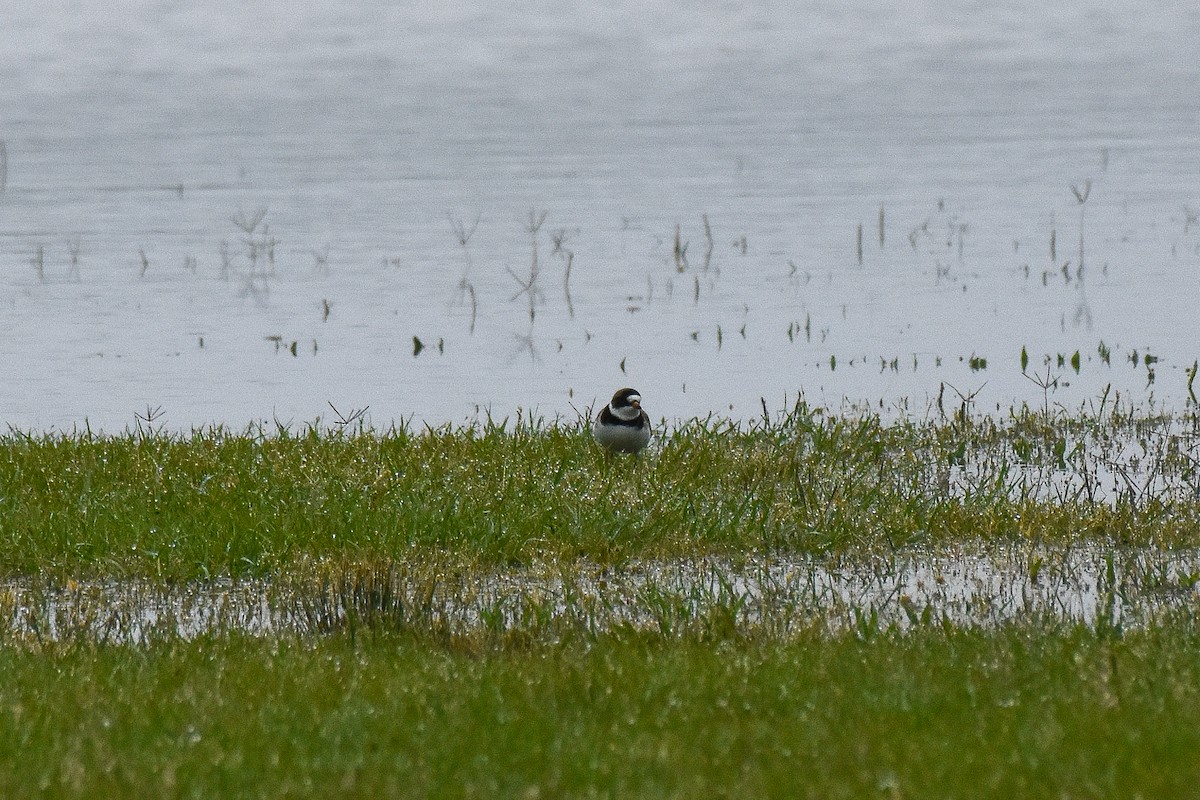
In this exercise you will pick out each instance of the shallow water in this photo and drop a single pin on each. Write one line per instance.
(138, 144)
(973, 587)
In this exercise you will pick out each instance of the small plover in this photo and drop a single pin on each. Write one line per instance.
(622, 426)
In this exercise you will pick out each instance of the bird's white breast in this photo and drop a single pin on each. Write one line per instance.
(621, 438)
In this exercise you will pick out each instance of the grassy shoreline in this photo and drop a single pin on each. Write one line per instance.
(218, 503)
(425, 667)
(1015, 712)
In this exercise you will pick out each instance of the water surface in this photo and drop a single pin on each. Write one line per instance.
(141, 145)
(984, 587)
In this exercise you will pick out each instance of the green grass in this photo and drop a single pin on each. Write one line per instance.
(221, 503)
(1016, 712)
(381, 538)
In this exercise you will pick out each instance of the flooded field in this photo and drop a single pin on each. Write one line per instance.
(433, 213)
(973, 587)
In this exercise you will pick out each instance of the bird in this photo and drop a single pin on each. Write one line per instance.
(622, 426)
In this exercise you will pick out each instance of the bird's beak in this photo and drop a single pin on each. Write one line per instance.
(637, 404)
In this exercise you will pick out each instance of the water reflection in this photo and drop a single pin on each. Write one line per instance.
(984, 587)
(671, 197)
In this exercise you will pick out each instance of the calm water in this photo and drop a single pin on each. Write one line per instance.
(986, 588)
(140, 145)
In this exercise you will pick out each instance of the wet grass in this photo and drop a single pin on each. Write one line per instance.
(501, 610)
(218, 503)
(1017, 712)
